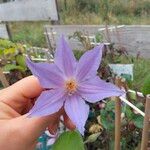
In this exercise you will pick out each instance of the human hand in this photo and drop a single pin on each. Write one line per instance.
(17, 131)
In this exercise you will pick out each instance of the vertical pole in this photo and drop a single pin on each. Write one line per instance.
(118, 36)
(117, 119)
(57, 7)
(146, 125)
(8, 30)
(117, 123)
(3, 79)
(107, 33)
(47, 38)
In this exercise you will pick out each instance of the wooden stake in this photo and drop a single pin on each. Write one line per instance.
(117, 123)
(3, 79)
(8, 31)
(146, 125)
(117, 119)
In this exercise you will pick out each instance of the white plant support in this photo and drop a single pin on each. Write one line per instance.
(138, 93)
(132, 106)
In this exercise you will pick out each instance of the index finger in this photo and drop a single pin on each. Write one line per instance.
(19, 93)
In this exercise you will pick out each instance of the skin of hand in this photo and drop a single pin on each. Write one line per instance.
(17, 131)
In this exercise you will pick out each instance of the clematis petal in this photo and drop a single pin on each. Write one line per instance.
(48, 74)
(89, 63)
(64, 58)
(48, 102)
(95, 89)
(77, 110)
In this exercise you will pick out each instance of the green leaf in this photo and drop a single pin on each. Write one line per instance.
(4, 44)
(20, 59)
(110, 105)
(10, 67)
(104, 119)
(70, 140)
(129, 113)
(78, 54)
(1, 52)
(138, 121)
(107, 119)
(9, 51)
(140, 106)
(132, 95)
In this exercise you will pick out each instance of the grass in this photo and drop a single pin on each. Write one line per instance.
(30, 33)
(95, 11)
(140, 71)
(76, 17)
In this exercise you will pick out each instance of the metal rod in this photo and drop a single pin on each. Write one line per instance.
(146, 125)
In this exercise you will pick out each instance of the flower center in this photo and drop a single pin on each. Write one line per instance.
(71, 86)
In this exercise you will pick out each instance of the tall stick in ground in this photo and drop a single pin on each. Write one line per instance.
(117, 118)
(146, 125)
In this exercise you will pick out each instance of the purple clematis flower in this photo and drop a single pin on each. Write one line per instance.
(70, 84)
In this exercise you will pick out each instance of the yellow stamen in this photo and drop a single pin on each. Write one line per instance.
(71, 86)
